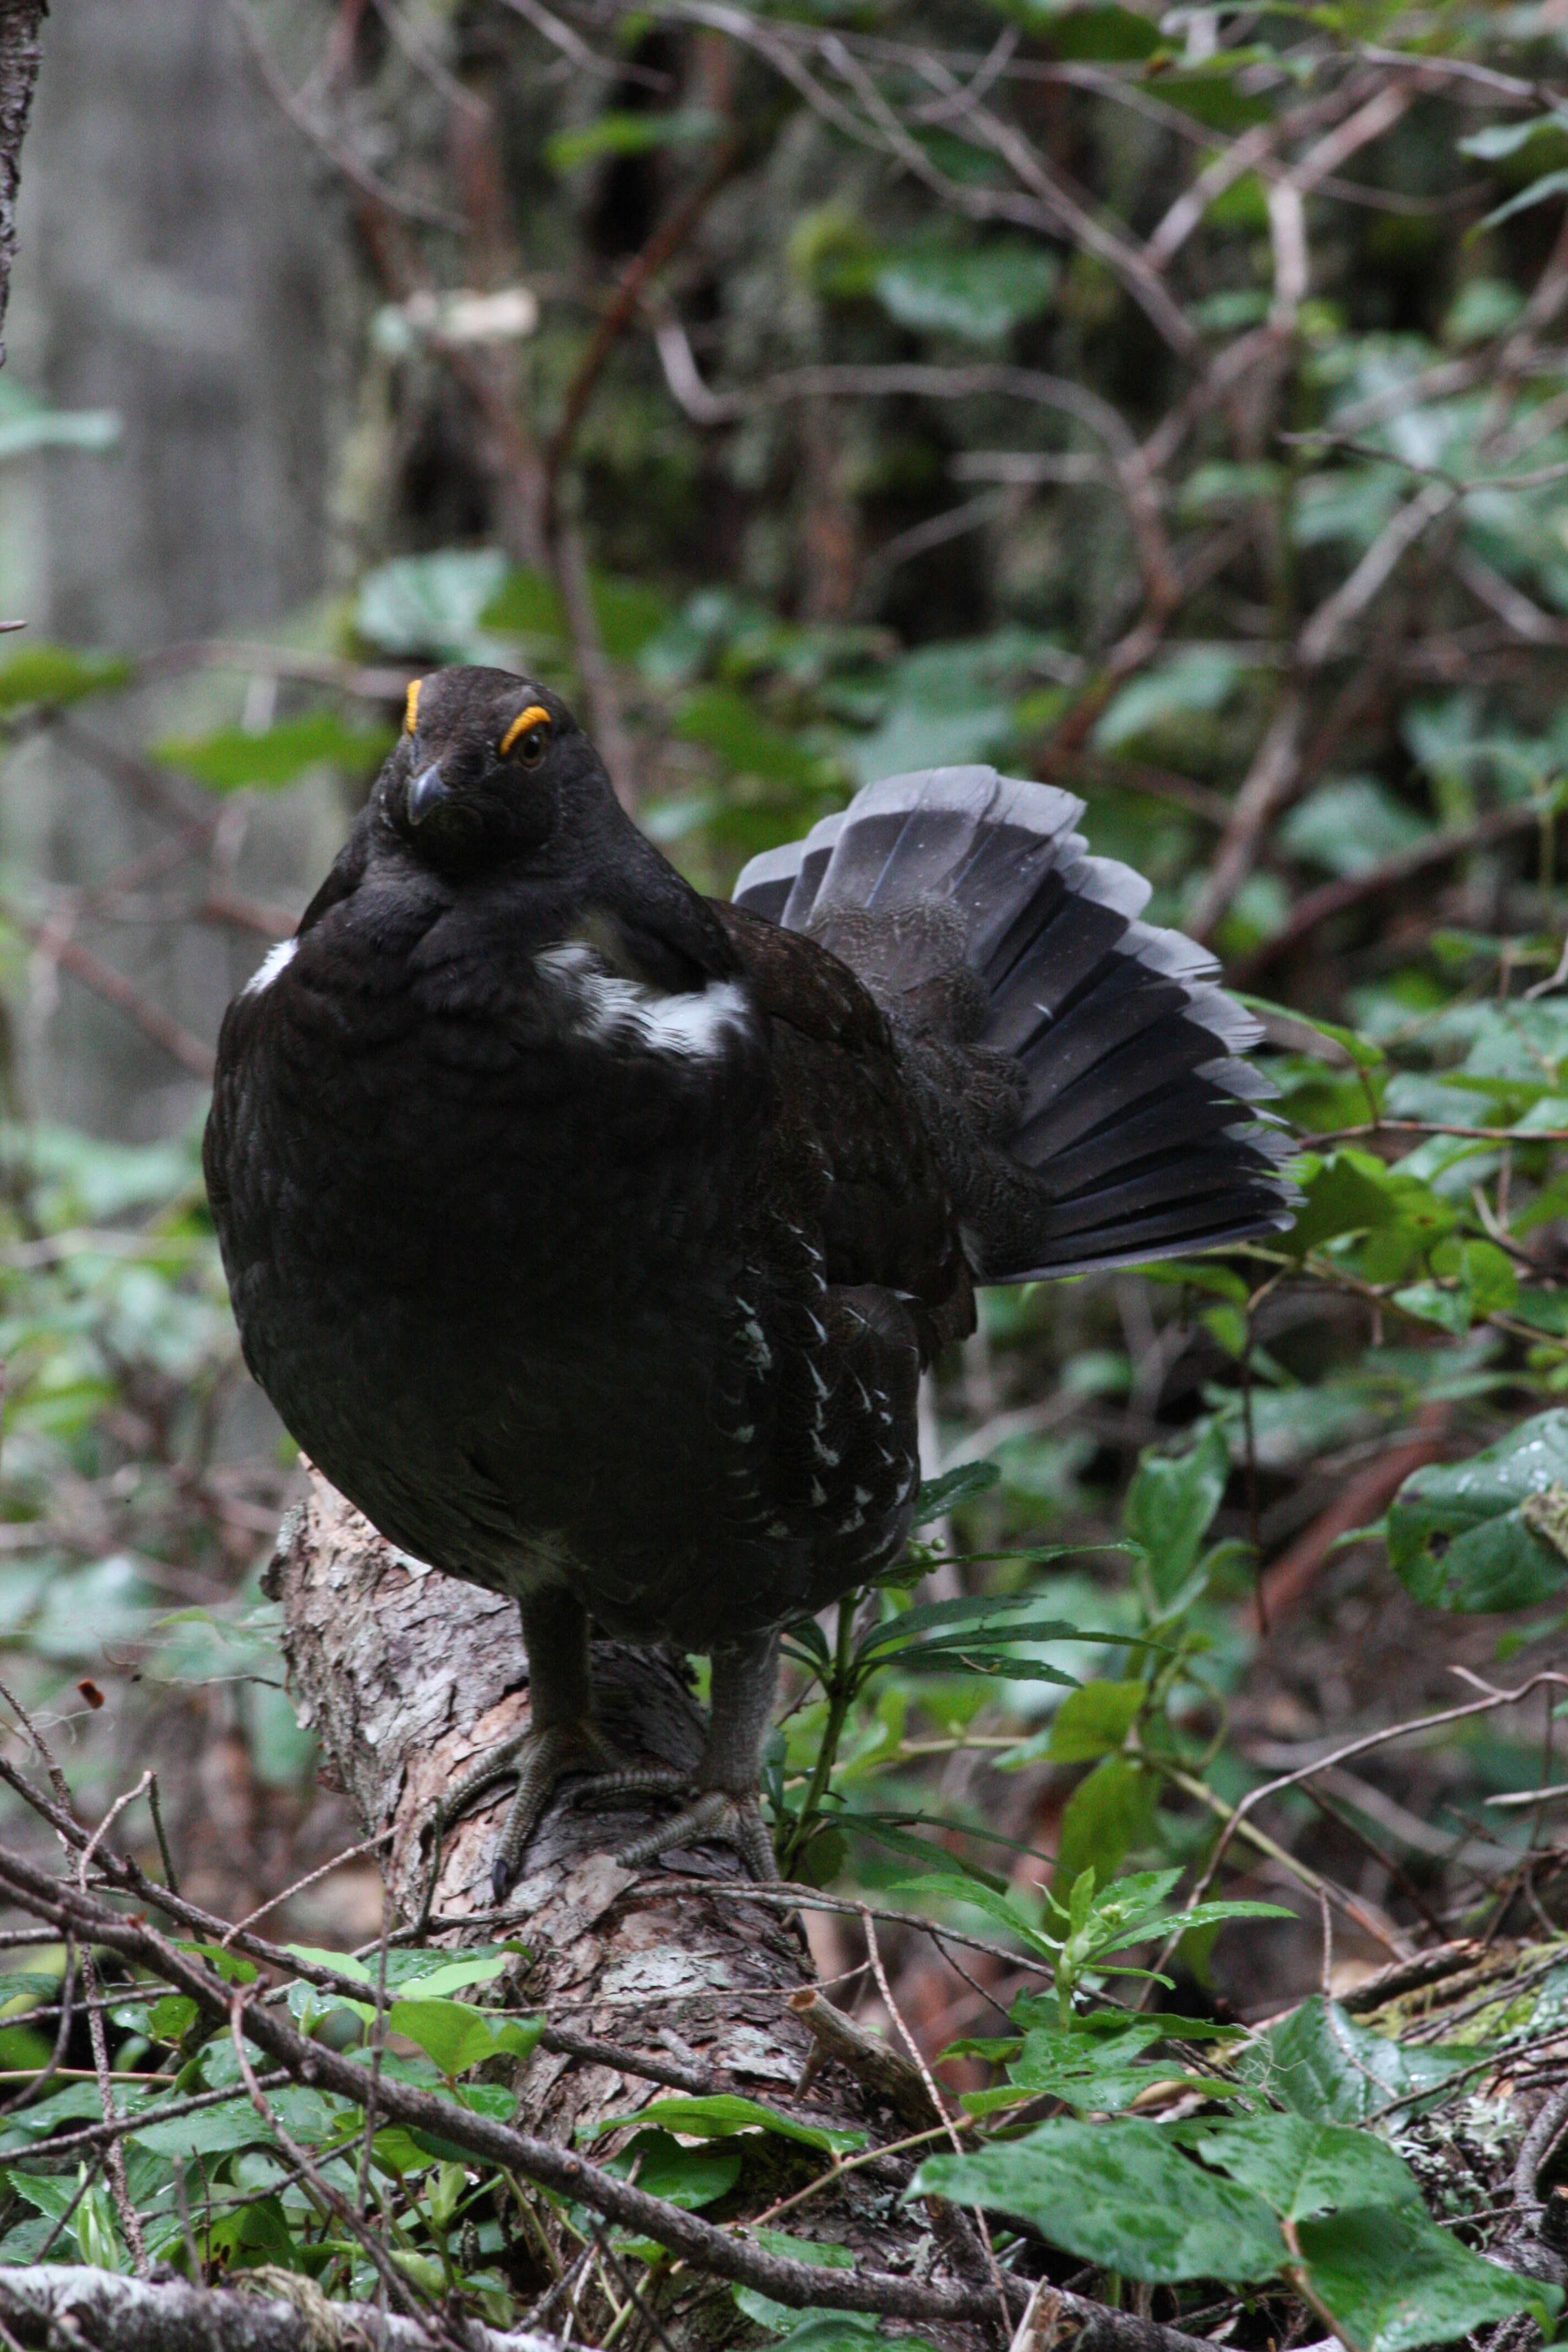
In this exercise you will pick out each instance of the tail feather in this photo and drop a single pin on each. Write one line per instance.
(1133, 1135)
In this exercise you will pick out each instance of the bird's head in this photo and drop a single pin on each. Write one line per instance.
(489, 768)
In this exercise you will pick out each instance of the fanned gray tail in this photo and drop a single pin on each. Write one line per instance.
(1081, 1070)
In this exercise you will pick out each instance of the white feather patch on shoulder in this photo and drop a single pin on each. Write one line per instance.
(276, 959)
(694, 1025)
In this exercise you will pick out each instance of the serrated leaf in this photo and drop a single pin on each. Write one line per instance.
(939, 1495)
(1120, 2194)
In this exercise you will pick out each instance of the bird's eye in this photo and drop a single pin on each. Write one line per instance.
(527, 737)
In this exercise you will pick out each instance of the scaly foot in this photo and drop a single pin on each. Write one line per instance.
(539, 1758)
(710, 1813)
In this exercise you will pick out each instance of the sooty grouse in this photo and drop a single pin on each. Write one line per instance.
(591, 1236)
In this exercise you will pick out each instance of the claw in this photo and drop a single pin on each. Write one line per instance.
(539, 1758)
(708, 1814)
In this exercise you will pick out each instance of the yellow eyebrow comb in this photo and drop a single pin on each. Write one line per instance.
(411, 709)
(531, 717)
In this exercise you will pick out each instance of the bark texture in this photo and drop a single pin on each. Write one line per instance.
(406, 1676)
(54, 2304)
(19, 24)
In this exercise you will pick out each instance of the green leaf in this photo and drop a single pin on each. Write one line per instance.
(1363, 1051)
(1349, 1191)
(946, 1886)
(1351, 825)
(1120, 2194)
(437, 1975)
(980, 295)
(1201, 1915)
(954, 1619)
(843, 2331)
(1551, 183)
(454, 2034)
(856, 2330)
(1196, 679)
(727, 2112)
(46, 2193)
(1094, 1720)
(687, 2177)
(1171, 1502)
(1391, 2280)
(235, 1969)
(1098, 33)
(431, 604)
(1321, 2065)
(233, 760)
(939, 1495)
(724, 723)
(1501, 139)
(55, 675)
(1303, 2167)
(1109, 1816)
(1490, 1533)
(342, 1963)
(628, 134)
(1102, 2071)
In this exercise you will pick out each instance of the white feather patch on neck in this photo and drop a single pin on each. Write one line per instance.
(276, 959)
(694, 1025)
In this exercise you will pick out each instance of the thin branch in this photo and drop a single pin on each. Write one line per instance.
(1321, 905)
(1267, 787)
(666, 242)
(174, 1038)
(337, 151)
(922, 383)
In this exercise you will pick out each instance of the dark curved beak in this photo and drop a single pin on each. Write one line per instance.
(427, 792)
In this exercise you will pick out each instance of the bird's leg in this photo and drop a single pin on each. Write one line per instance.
(721, 1792)
(561, 1735)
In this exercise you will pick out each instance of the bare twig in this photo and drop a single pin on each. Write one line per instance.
(1319, 907)
(339, 153)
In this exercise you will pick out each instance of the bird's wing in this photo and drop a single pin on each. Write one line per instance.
(852, 1156)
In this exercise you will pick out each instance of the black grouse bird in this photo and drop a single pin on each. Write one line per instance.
(591, 1236)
